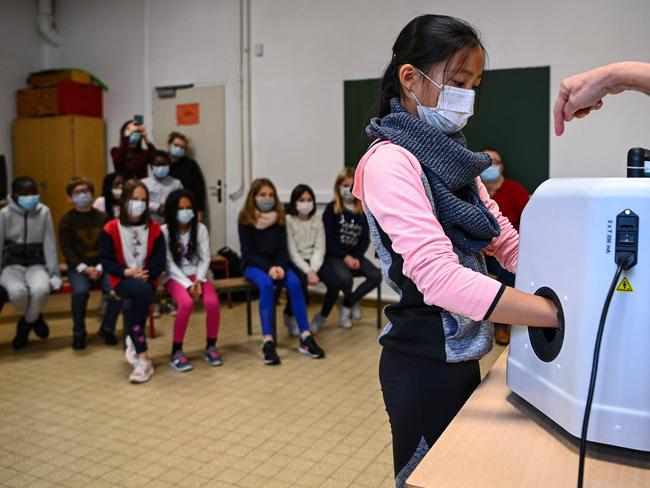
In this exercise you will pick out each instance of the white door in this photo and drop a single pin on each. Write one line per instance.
(199, 113)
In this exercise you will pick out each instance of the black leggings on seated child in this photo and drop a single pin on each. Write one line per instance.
(136, 298)
(346, 279)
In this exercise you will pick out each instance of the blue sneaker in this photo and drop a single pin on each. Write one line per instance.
(179, 362)
(212, 356)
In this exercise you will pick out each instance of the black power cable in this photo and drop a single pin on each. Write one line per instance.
(594, 370)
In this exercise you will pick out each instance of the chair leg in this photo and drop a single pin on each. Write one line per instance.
(275, 322)
(152, 325)
(379, 308)
(249, 318)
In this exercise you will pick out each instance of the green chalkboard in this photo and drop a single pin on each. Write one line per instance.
(511, 115)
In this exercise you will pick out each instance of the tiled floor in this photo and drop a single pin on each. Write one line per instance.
(72, 419)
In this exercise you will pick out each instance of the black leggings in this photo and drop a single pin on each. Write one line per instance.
(422, 396)
(346, 276)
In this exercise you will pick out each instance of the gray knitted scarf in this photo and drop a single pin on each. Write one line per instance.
(451, 170)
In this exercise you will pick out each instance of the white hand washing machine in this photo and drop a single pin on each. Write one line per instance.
(568, 241)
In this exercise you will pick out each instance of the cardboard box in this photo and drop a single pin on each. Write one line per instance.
(52, 77)
(66, 98)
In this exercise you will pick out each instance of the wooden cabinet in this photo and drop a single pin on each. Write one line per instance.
(54, 149)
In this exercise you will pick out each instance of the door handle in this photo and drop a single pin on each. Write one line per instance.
(217, 191)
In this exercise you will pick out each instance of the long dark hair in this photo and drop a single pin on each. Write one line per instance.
(424, 42)
(107, 187)
(296, 194)
(171, 207)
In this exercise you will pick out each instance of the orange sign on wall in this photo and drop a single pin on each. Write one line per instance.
(188, 114)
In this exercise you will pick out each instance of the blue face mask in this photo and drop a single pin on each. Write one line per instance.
(265, 204)
(160, 172)
(82, 200)
(490, 174)
(177, 151)
(185, 215)
(29, 202)
(134, 138)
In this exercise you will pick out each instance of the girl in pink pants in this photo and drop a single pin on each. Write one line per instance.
(188, 262)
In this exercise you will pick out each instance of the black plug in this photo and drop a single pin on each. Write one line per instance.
(627, 239)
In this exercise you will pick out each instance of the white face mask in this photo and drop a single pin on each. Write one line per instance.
(304, 208)
(117, 193)
(136, 208)
(455, 107)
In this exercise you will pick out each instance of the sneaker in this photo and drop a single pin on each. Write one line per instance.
(179, 362)
(155, 310)
(344, 314)
(270, 354)
(79, 342)
(212, 356)
(317, 323)
(309, 347)
(108, 336)
(129, 353)
(40, 328)
(291, 324)
(22, 333)
(142, 371)
(357, 313)
(171, 308)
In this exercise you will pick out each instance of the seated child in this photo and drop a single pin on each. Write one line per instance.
(30, 265)
(79, 231)
(188, 262)
(132, 252)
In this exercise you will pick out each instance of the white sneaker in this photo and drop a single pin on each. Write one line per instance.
(129, 353)
(142, 371)
(344, 315)
(317, 323)
(357, 313)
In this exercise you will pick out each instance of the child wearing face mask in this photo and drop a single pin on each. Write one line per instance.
(432, 222)
(132, 252)
(347, 238)
(30, 265)
(306, 240)
(265, 258)
(79, 231)
(160, 184)
(188, 262)
(133, 154)
(110, 200)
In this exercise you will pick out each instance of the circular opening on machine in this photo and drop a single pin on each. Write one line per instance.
(547, 342)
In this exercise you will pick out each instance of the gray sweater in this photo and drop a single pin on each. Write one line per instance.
(18, 226)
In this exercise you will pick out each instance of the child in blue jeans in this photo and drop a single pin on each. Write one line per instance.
(265, 258)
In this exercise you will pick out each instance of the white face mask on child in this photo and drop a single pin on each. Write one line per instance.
(136, 208)
(455, 107)
(304, 208)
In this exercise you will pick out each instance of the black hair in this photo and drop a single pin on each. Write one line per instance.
(296, 194)
(171, 207)
(23, 183)
(424, 42)
(107, 193)
(159, 154)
